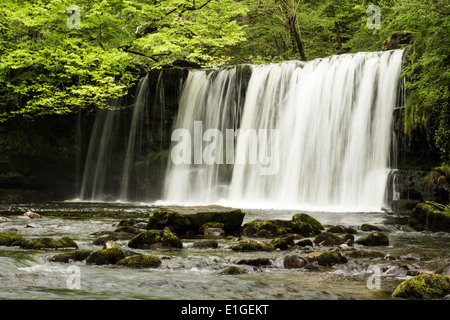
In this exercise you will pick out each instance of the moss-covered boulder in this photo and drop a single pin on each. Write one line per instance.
(78, 255)
(10, 239)
(374, 239)
(140, 262)
(369, 227)
(49, 243)
(233, 270)
(105, 256)
(206, 244)
(276, 228)
(294, 262)
(430, 216)
(256, 262)
(430, 286)
(284, 242)
(191, 219)
(327, 259)
(327, 239)
(151, 239)
(249, 246)
(313, 222)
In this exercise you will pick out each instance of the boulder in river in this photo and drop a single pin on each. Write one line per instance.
(184, 220)
(10, 239)
(106, 256)
(155, 239)
(430, 286)
(374, 239)
(48, 243)
(140, 262)
(430, 216)
(328, 239)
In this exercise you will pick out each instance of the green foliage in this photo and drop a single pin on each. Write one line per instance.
(48, 68)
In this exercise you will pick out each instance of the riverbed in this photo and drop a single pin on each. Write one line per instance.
(192, 274)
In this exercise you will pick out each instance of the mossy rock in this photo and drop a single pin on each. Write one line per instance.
(430, 216)
(365, 254)
(206, 244)
(233, 270)
(252, 246)
(327, 259)
(444, 270)
(78, 255)
(294, 262)
(276, 228)
(105, 256)
(313, 222)
(304, 243)
(430, 286)
(49, 243)
(283, 243)
(328, 239)
(11, 239)
(155, 239)
(341, 229)
(369, 227)
(374, 239)
(257, 262)
(192, 219)
(140, 262)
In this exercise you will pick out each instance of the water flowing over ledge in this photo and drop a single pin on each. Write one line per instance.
(325, 145)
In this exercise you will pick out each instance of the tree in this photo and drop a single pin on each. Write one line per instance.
(50, 65)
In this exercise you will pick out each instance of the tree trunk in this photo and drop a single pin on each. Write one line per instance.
(297, 38)
(338, 36)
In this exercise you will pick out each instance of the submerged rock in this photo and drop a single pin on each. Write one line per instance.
(248, 246)
(10, 239)
(374, 239)
(294, 262)
(106, 256)
(206, 244)
(155, 239)
(327, 259)
(233, 270)
(191, 219)
(258, 262)
(369, 227)
(430, 286)
(48, 243)
(78, 255)
(283, 243)
(140, 262)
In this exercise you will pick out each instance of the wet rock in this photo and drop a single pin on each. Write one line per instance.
(102, 240)
(10, 239)
(140, 262)
(294, 262)
(313, 222)
(78, 255)
(155, 239)
(191, 219)
(365, 254)
(348, 239)
(49, 243)
(105, 256)
(327, 259)
(444, 270)
(233, 270)
(213, 232)
(341, 229)
(258, 262)
(276, 228)
(304, 243)
(374, 239)
(327, 239)
(32, 215)
(249, 246)
(283, 243)
(110, 244)
(430, 216)
(128, 229)
(206, 244)
(369, 227)
(431, 286)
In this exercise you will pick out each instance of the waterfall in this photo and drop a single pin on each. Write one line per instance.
(324, 128)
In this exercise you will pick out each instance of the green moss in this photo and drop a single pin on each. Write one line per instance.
(10, 239)
(105, 256)
(313, 222)
(275, 228)
(374, 239)
(78, 255)
(431, 216)
(233, 270)
(252, 246)
(206, 244)
(430, 286)
(140, 261)
(328, 239)
(327, 259)
(155, 238)
(49, 243)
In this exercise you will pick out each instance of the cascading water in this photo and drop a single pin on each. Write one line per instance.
(332, 118)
